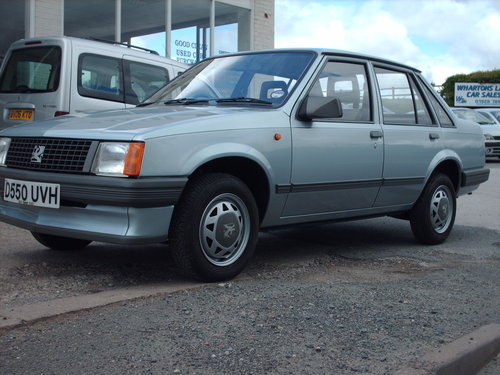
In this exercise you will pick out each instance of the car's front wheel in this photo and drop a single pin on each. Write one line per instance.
(215, 227)
(433, 215)
(60, 243)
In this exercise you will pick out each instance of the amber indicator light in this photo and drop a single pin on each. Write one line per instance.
(133, 162)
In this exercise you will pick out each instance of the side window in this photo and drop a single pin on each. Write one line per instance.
(144, 80)
(346, 82)
(441, 114)
(100, 77)
(402, 102)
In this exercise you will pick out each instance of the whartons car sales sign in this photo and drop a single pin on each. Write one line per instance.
(477, 94)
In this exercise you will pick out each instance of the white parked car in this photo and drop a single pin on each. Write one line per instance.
(489, 126)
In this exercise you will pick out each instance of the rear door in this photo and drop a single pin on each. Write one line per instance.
(412, 136)
(337, 163)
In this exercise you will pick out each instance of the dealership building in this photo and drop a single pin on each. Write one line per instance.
(186, 30)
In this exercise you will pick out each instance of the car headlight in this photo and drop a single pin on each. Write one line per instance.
(4, 148)
(119, 159)
(489, 137)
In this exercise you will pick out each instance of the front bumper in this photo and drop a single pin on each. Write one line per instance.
(116, 210)
(492, 148)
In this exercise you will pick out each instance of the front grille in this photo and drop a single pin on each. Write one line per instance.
(51, 154)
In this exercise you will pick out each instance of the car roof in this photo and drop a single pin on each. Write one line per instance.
(327, 52)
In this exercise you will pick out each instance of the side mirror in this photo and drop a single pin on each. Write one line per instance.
(319, 107)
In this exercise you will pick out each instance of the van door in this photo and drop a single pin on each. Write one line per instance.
(33, 83)
(143, 79)
(337, 162)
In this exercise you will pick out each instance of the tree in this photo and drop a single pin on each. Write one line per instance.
(448, 89)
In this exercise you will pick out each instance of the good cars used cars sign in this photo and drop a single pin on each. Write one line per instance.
(477, 94)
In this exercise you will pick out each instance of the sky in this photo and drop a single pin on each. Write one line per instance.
(439, 37)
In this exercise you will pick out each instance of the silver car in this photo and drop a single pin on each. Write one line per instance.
(242, 142)
(489, 125)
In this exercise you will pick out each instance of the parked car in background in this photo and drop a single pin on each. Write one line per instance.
(243, 142)
(495, 112)
(489, 126)
(47, 77)
(490, 114)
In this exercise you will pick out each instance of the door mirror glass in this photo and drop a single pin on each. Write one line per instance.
(317, 107)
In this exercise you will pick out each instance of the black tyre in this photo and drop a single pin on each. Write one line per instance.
(433, 215)
(60, 243)
(215, 228)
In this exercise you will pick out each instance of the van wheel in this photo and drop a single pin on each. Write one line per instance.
(60, 243)
(215, 228)
(433, 215)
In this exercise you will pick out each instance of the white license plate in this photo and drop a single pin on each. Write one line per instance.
(32, 193)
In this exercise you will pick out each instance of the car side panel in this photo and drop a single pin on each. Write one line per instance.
(409, 151)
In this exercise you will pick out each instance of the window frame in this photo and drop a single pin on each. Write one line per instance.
(413, 85)
(127, 78)
(367, 74)
(96, 94)
(429, 91)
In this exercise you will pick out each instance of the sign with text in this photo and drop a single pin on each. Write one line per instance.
(477, 94)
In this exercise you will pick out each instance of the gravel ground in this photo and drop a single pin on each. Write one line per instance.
(338, 312)
(346, 298)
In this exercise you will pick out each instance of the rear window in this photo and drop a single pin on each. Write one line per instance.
(32, 70)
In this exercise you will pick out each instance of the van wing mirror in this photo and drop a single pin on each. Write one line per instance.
(319, 107)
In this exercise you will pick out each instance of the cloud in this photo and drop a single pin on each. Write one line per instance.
(441, 38)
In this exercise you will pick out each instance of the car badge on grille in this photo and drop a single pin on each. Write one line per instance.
(37, 155)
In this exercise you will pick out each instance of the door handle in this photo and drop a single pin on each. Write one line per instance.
(376, 134)
(433, 136)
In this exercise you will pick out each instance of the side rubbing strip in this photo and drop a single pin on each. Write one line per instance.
(328, 186)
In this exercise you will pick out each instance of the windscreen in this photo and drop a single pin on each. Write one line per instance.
(265, 78)
(32, 70)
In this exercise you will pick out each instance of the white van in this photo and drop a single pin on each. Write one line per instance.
(46, 77)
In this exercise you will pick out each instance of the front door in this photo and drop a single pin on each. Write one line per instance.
(337, 163)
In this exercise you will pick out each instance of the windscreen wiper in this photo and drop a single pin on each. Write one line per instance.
(244, 100)
(186, 101)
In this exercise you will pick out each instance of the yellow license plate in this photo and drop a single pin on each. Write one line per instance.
(21, 114)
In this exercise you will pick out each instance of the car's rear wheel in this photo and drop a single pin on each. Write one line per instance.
(433, 215)
(60, 243)
(215, 227)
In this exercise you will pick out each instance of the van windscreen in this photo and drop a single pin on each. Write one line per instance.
(32, 70)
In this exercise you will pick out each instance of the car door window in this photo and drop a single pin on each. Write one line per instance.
(402, 102)
(443, 117)
(346, 82)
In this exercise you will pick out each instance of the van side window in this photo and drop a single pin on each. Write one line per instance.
(143, 80)
(443, 117)
(100, 77)
(346, 82)
(402, 102)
